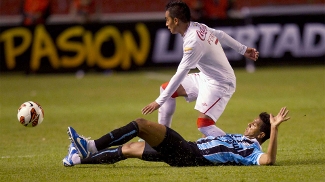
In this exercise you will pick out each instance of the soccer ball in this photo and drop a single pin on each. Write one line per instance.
(30, 114)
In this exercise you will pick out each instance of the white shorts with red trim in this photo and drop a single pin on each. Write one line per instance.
(211, 96)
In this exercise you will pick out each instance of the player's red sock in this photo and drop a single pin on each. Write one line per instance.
(208, 128)
(203, 122)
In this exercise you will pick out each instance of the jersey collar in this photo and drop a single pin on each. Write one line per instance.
(187, 29)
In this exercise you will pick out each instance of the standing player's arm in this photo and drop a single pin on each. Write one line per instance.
(269, 158)
(224, 38)
(173, 84)
(251, 53)
(229, 41)
(192, 54)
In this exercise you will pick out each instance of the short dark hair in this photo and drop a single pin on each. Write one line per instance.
(266, 125)
(179, 9)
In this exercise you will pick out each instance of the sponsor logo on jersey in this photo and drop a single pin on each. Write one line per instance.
(202, 33)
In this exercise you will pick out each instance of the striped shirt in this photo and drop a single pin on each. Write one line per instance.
(231, 149)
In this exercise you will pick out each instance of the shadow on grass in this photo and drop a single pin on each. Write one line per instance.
(296, 162)
(158, 165)
(110, 166)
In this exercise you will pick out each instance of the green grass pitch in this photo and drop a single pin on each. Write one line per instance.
(98, 103)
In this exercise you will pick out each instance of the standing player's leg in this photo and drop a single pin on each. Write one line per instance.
(211, 103)
(166, 111)
(209, 114)
(207, 127)
(191, 84)
(187, 89)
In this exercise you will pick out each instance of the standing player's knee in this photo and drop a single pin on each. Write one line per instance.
(164, 85)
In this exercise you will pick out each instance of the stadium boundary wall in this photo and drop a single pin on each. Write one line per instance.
(281, 38)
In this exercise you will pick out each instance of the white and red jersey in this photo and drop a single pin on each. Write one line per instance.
(202, 49)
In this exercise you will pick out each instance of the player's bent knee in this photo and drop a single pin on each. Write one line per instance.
(142, 124)
(164, 85)
(141, 121)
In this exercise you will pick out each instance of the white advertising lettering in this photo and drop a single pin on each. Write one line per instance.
(311, 47)
(272, 41)
(268, 33)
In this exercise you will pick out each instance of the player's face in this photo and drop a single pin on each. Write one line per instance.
(253, 128)
(170, 23)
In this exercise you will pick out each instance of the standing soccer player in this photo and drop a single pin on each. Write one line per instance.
(213, 86)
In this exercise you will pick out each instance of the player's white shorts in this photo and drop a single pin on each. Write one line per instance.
(211, 97)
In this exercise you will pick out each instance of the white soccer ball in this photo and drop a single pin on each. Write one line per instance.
(30, 114)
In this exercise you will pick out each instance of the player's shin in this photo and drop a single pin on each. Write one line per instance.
(118, 136)
(166, 111)
(108, 156)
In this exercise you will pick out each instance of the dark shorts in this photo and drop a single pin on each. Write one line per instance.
(176, 151)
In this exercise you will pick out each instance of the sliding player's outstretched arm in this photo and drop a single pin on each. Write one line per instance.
(269, 158)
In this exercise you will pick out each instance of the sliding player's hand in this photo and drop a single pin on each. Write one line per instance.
(251, 53)
(150, 108)
(281, 117)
